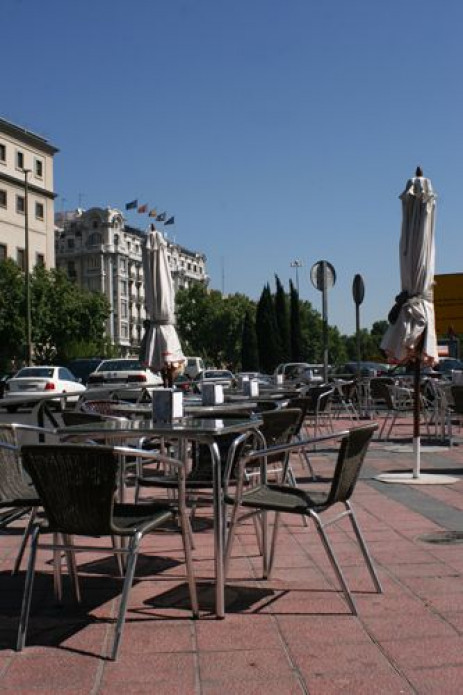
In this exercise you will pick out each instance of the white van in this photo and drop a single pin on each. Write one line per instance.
(193, 365)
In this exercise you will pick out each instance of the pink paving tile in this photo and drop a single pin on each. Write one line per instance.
(288, 686)
(427, 652)
(157, 636)
(435, 586)
(400, 626)
(437, 681)
(301, 630)
(376, 682)
(238, 633)
(51, 671)
(324, 658)
(155, 688)
(136, 669)
(248, 665)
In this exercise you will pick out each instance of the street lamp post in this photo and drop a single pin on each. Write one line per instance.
(27, 278)
(297, 264)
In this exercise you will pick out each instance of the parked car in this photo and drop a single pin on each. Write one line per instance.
(367, 368)
(83, 367)
(43, 379)
(214, 376)
(123, 372)
(262, 379)
(300, 372)
(447, 365)
(193, 366)
(183, 383)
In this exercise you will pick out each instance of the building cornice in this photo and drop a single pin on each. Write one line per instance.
(28, 137)
(31, 186)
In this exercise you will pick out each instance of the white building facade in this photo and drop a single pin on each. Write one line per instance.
(26, 157)
(99, 252)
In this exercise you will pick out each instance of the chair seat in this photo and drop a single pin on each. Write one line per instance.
(283, 498)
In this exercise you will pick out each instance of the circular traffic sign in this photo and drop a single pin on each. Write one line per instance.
(358, 289)
(322, 275)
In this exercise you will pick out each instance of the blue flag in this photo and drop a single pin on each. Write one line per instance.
(161, 217)
(171, 220)
(132, 205)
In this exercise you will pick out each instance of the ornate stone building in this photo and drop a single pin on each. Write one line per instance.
(101, 253)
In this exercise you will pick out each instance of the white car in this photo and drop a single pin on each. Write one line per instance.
(43, 379)
(123, 372)
(214, 376)
(300, 372)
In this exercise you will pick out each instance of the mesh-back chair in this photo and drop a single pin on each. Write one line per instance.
(18, 497)
(398, 401)
(312, 504)
(101, 407)
(303, 403)
(456, 391)
(318, 413)
(77, 485)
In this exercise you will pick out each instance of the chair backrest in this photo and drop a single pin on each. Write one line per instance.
(101, 407)
(79, 417)
(319, 397)
(11, 473)
(302, 403)
(379, 389)
(351, 456)
(279, 427)
(76, 484)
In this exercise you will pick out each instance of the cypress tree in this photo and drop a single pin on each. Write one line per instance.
(282, 317)
(295, 323)
(249, 351)
(268, 339)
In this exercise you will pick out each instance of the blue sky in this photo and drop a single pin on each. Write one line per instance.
(272, 130)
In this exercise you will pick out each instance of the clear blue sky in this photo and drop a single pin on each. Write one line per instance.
(273, 130)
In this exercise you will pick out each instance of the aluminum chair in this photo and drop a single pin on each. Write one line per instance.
(266, 497)
(77, 484)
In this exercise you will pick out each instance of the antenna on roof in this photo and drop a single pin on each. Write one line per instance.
(419, 171)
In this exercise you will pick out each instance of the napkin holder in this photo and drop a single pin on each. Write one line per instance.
(212, 394)
(167, 405)
(279, 379)
(251, 388)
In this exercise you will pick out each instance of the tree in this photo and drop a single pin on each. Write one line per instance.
(249, 351)
(268, 339)
(282, 318)
(12, 313)
(295, 325)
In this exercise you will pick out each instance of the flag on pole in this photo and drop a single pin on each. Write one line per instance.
(161, 217)
(152, 213)
(143, 208)
(132, 205)
(171, 220)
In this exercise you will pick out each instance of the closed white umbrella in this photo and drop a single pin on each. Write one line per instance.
(160, 347)
(411, 335)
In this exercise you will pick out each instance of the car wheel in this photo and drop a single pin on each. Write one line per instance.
(11, 408)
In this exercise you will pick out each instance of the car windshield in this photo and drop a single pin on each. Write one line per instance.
(218, 374)
(120, 366)
(43, 372)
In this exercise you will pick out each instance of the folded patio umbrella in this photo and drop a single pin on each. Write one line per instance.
(411, 335)
(160, 348)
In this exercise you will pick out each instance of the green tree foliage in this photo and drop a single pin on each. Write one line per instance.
(64, 317)
(210, 324)
(249, 351)
(282, 318)
(268, 338)
(296, 340)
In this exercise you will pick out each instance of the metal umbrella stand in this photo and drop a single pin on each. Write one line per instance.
(411, 335)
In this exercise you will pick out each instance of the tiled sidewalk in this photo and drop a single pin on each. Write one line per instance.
(291, 634)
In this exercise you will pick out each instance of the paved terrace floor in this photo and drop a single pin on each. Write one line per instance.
(292, 634)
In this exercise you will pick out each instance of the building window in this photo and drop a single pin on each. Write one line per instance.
(39, 168)
(123, 287)
(20, 204)
(3, 251)
(39, 211)
(70, 243)
(2, 152)
(21, 259)
(93, 263)
(19, 160)
(94, 239)
(40, 260)
(3, 198)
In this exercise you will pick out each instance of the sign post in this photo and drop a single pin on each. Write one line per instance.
(323, 277)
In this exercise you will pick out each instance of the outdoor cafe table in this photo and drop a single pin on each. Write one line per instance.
(193, 408)
(204, 431)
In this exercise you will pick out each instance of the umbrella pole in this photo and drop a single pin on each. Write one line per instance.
(417, 408)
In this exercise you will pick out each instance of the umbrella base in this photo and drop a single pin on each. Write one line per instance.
(421, 479)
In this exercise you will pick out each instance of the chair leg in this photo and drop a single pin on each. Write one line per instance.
(72, 568)
(128, 581)
(334, 562)
(187, 536)
(26, 534)
(27, 596)
(364, 548)
(276, 528)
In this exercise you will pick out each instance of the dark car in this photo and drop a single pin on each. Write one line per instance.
(447, 365)
(83, 367)
(183, 383)
(367, 368)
